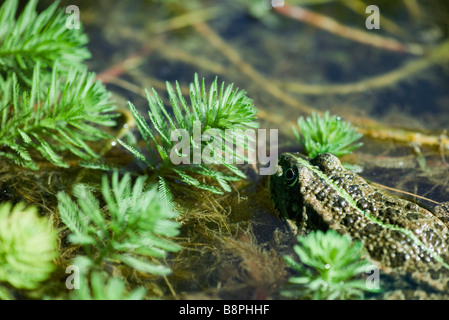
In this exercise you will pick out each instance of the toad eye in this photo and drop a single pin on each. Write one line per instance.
(291, 176)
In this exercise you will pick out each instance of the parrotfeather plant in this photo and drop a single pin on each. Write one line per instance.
(328, 267)
(49, 103)
(62, 117)
(224, 111)
(326, 134)
(133, 228)
(105, 288)
(28, 245)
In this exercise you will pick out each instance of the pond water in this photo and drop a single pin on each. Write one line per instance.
(391, 83)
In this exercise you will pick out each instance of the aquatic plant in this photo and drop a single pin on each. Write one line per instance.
(326, 134)
(329, 264)
(61, 118)
(223, 113)
(28, 245)
(34, 38)
(99, 286)
(105, 288)
(49, 102)
(134, 228)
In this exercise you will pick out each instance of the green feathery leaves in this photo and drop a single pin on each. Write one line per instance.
(105, 288)
(328, 267)
(134, 228)
(326, 134)
(28, 246)
(53, 118)
(33, 38)
(211, 126)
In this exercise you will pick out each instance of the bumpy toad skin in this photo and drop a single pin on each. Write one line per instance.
(400, 236)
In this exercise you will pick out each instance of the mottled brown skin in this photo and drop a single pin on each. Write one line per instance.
(300, 194)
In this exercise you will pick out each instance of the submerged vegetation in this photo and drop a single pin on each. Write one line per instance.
(216, 113)
(51, 104)
(134, 230)
(49, 101)
(53, 117)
